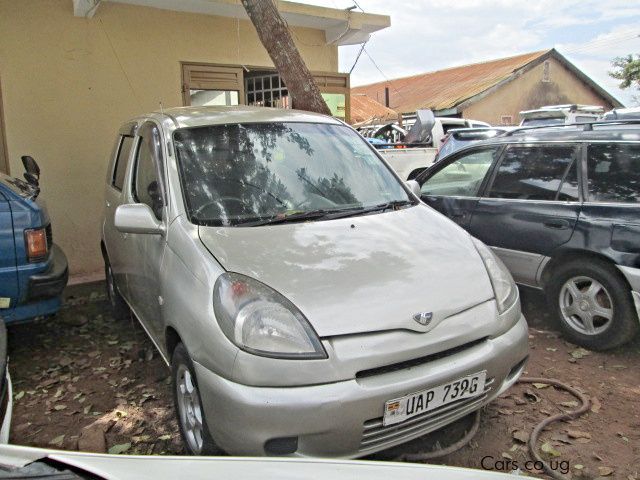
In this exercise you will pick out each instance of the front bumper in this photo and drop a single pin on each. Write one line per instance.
(51, 282)
(344, 419)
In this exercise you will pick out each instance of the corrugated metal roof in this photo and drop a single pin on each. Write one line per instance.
(444, 89)
(365, 109)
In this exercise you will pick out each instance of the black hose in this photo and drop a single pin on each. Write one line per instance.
(533, 439)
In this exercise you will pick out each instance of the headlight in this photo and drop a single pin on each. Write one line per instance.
(261, 321)
(504, 287)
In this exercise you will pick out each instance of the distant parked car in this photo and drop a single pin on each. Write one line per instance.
(560, 114)
(462, 137)
(410, 156)
(561, 208)
(274, 260)
(33, 269)
(623, 114)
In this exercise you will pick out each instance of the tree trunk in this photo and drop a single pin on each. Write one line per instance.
(276, 38)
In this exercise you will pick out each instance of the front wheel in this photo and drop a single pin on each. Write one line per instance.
(188, 404)
(593, 304)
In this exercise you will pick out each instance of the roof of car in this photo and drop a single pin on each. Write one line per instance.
(615, 132)
(185, 117)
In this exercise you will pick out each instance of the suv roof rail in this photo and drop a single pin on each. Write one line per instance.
(586, 126)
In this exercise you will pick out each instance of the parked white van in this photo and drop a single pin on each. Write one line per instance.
(307, 302)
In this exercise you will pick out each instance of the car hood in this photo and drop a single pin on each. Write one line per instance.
(361, 274)
(154, 467)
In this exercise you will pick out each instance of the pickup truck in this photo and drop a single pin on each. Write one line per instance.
(412, 148)
(33, 270)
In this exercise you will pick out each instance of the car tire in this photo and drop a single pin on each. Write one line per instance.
(188, 406)
(119, 308)
(593, 304)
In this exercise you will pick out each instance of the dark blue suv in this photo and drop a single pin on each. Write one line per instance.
(560, 206)
(33, 270)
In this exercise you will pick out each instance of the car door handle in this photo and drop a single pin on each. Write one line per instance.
(556, 223)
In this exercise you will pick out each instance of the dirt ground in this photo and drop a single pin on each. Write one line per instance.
(82, 369)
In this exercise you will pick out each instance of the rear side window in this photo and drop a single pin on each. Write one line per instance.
(122, 160)
(535, 173)
(614, 173)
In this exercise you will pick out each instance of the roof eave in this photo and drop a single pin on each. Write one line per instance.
(341, 27)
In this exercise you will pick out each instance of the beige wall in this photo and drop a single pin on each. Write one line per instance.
(530, 92)
(68, 83)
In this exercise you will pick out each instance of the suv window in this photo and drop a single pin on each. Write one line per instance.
(463, 176)
(614, 172)
(534, 173)
(122, 160)
(146, 185)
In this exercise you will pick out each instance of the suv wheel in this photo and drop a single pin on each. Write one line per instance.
(593, 304)
(119, 307)
(188, 404)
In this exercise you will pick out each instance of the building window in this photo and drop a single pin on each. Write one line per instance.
(546, 66)
(506, 119)
(266, 89)
(204, 84)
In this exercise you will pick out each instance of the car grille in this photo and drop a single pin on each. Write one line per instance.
(414, 362)
(376, 436)
(49, 234)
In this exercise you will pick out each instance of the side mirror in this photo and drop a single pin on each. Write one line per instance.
(414, 187)
(31, 170)
(137, 218)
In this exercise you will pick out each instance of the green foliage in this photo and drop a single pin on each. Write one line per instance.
(627, 69)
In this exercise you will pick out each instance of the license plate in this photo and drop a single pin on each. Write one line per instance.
(400, 409)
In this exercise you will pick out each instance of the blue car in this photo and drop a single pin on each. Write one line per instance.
(33, 270)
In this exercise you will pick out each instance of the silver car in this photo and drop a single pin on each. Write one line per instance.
(306, 301)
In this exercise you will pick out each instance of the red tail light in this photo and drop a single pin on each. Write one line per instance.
(36, 244)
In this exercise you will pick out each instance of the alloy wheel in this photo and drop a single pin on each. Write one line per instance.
(586, 305)
(189, 409)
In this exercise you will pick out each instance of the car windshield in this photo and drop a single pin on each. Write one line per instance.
(242, 173)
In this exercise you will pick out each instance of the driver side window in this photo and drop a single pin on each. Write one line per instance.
(463, 176)
(146, 184)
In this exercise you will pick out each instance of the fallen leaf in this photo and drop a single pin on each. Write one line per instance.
(521, 436)
(571, 404)
(60, 407)
(605, 471)
(578, 434)
(164, 437)
(595, 405)
(57, 441)
(506, 455)
(578, 466)
(551, 349)
(19, 395)
(548, 448)
(580, 353)
(540, 385)
(118, 449)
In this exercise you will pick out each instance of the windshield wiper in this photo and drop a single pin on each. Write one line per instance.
(290, 218)
(392, 205)
(326, 214)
